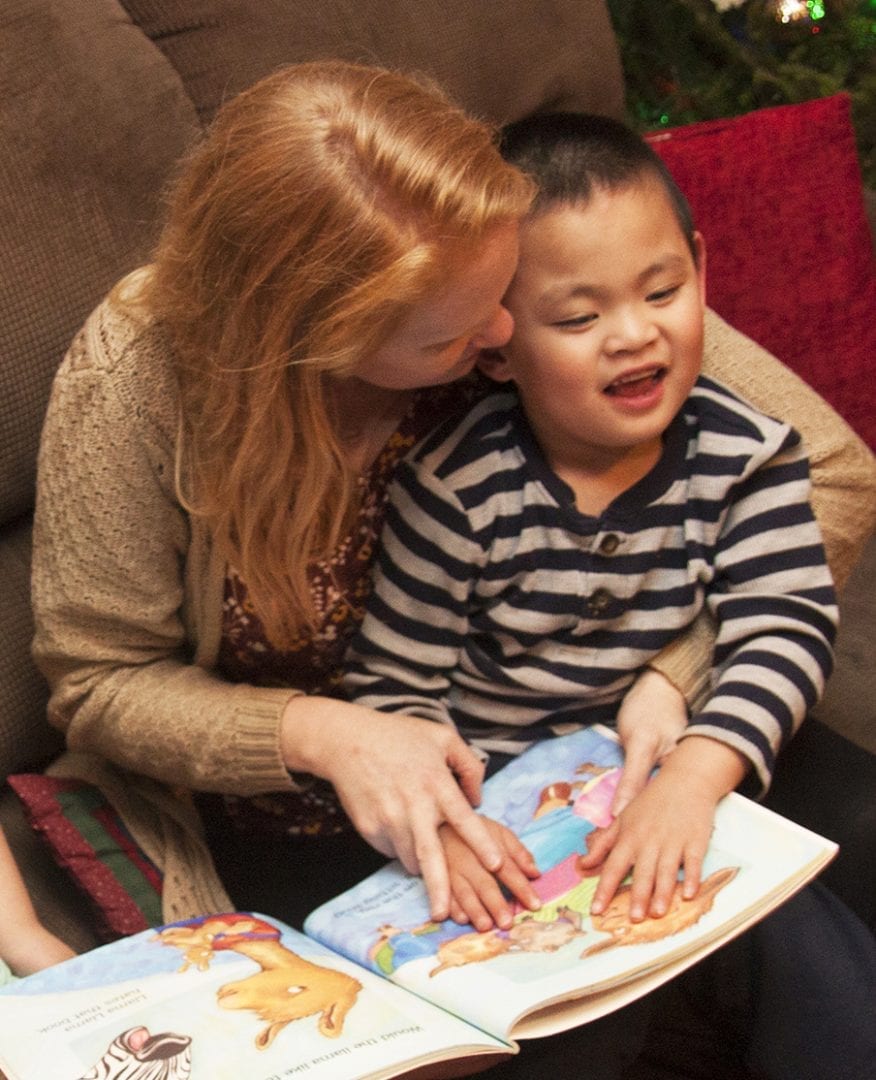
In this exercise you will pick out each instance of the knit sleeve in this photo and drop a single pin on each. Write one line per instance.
(842, 470)
(111, 546)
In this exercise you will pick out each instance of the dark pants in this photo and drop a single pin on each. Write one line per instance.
(794, 998)
(757, 1007)
(828, 784)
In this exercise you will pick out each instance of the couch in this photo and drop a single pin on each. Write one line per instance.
(97, 102)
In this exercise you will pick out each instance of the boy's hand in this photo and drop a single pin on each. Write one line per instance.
(666, 828)
(651, 718)
(475, 894)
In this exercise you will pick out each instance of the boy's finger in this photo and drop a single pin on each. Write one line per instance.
(665, 882)
(478, 900)
(613, 873)
(472, 829)
(600, 842)
(637, 769)
(521, 856)
(693, 872)
(642, 887)
(518, 884)
(457, 912)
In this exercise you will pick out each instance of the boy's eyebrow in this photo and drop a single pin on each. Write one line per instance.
(668, 262)
(584, 290)
(579, 290)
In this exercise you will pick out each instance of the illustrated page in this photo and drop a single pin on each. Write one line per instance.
(223, 997)
(553, 796)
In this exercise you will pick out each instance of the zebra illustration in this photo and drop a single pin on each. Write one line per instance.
(137, 1055)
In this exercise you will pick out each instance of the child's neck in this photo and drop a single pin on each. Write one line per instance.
(597, 481)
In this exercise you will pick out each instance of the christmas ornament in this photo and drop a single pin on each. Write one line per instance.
(785, 22)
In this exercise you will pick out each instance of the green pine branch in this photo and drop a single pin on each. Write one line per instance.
(684, 61)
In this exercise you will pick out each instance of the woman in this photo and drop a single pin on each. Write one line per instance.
(211, 481)
(343, 237)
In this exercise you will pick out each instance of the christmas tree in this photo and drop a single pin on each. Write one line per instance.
(687, 60)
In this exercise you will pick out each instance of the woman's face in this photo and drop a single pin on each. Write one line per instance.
(441, 339)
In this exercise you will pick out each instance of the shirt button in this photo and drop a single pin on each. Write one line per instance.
(599, 602)
(609, 544)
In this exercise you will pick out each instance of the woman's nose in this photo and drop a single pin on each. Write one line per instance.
(497, 332)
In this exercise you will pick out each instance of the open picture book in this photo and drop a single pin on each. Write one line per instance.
(374, 988)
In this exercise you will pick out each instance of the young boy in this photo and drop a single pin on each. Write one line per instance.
(537, 555)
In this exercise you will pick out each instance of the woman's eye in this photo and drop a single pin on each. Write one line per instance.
(442, 347)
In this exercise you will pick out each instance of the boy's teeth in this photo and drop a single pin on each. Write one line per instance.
(634, 377)
(632, 384)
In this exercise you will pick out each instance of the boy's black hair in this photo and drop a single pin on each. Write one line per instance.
(569, 154)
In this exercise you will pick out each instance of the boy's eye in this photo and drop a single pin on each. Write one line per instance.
(577, 320)
(663, 294)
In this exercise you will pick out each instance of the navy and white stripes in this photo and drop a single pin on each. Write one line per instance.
(497, 603)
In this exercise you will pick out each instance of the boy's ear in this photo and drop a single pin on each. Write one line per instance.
(700, 245)
(493, 364)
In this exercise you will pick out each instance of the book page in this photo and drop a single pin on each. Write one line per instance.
(552, 796)
(224, 997)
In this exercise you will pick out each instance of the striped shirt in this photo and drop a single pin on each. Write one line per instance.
(498, 606)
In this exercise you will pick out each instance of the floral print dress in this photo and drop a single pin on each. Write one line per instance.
(339, 588)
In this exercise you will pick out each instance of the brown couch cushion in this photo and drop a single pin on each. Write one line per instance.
(91, 119)
(501, 61)
(25, 739)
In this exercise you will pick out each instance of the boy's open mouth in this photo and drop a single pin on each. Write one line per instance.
(636, 383)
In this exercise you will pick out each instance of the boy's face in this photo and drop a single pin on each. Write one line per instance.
(608, 311)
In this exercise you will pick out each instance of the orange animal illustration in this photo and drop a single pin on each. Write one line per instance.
(470, 948)
(533, 935)
(615, 920)
(286, 988)
(526, 935)
(542, 936)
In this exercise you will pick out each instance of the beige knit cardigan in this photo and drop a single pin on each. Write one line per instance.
(127, 590)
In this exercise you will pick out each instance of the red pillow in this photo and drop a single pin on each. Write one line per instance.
(88, 839)
(778, 196)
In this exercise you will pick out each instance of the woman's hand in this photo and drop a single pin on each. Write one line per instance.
(475, 894)
(651, 718)
(399, 778)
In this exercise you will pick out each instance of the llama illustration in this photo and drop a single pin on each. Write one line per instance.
(285, 988)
